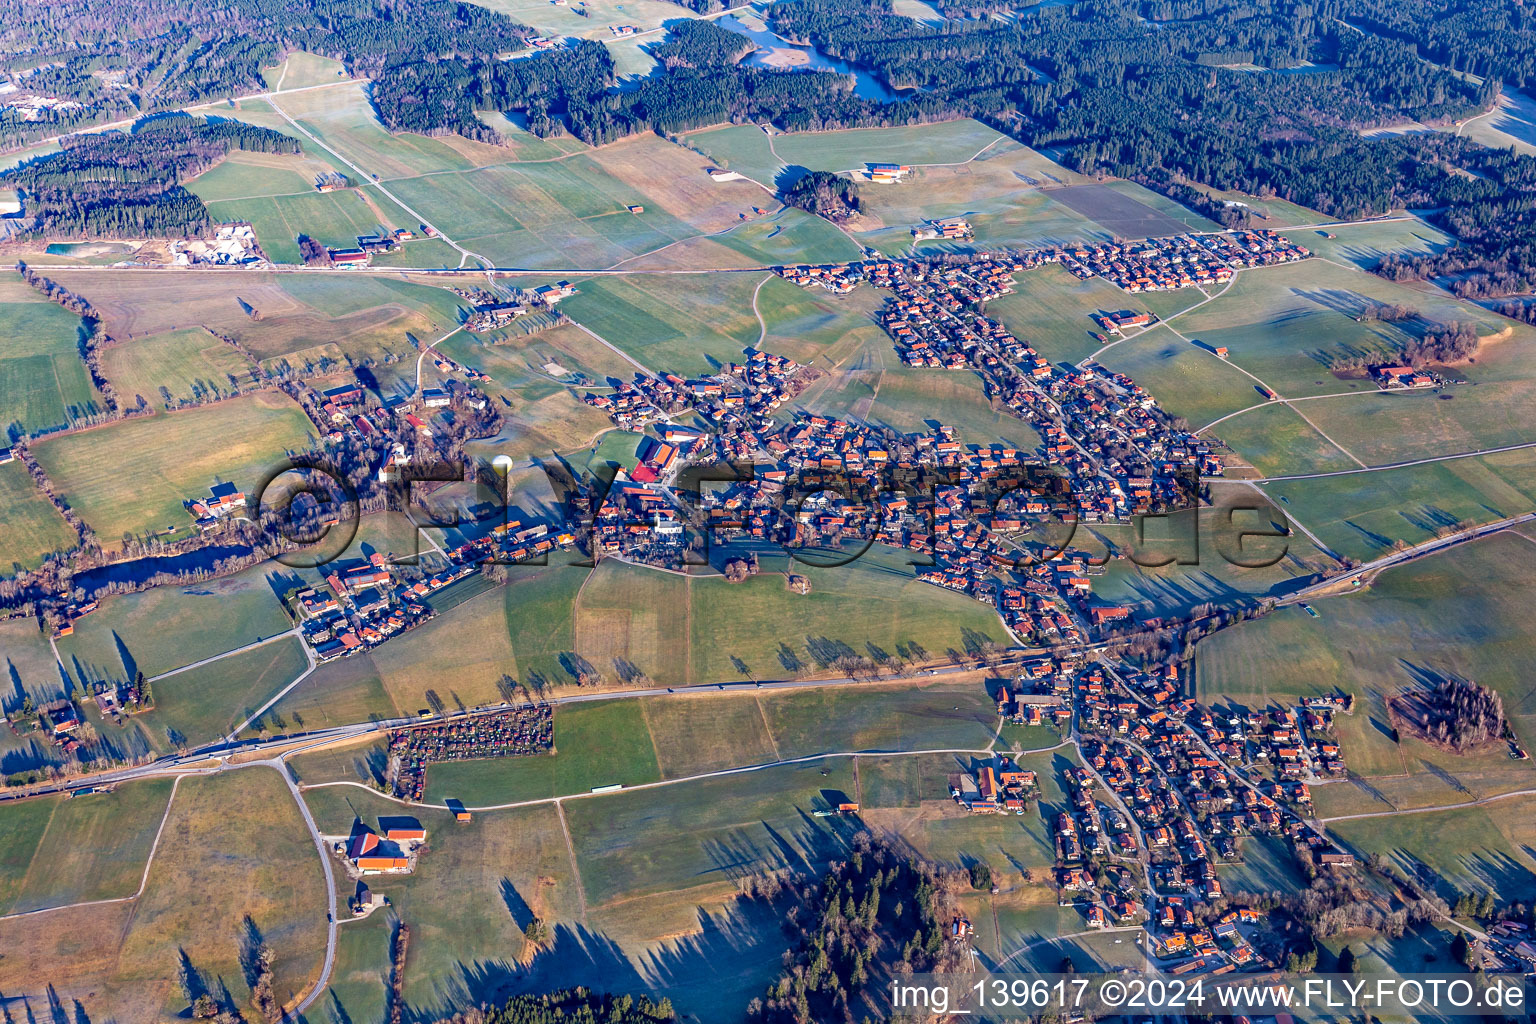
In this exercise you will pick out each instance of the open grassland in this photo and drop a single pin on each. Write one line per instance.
(867, 381)
(1127, 210)
(1514, 127)
(533, 616)
(706, 630)
(29, 666)
(1276, 440)
(600, 744)
(626, 619)
(572, 210)
(234, 848)
(539, 410)
(1466, 850)
(812, 325)
(43, 383)
(1272, 213)
(304, 318)
(684, 325)
(994, 192)
(676, 838)
(60, 850)
(203, 704)
(246, 175)
(183, 364)
(333, 219)
(343, 119)
(1286, 325)
(899, 716)
(630, 742)
(1050, 309)
(949, 142)
(157, 630)
(472, 894)
(32, 527)
(132, 477)
(300, 70)
(1210, 575)
(359, 985)
(911, 799)
(1185, 379)
(481, 882)
(1363, 514)
(1414, 624)
(1363, 245)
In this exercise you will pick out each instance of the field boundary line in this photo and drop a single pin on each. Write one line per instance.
(718, 774)
(570, 849)
(149, 862)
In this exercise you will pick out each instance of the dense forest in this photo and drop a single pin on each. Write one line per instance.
(881, 911)
(128, 184)
(137, 56)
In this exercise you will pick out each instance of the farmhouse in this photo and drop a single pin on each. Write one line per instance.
(223, 500)
(348, 257)
(1393, 377)
(434, 398)
(886, 173)
(549, 294)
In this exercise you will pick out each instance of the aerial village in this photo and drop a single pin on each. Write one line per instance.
(1164, 797)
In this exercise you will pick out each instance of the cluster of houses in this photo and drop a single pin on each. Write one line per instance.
(741, 395)
(362, 606)
(996, 786)
(1179, 261)
(510, 732)
(1122, 453)
(1165, 786)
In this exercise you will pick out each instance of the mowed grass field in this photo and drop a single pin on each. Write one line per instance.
(58, 850)
(33, 528)
(132, 476)
(305, 318)
(157, 630)
(343, 118)
(683, 325)
(746, 148)
(1465, 850)
(1050, 309)
(632, 742)
(234, 847)
(1287, 324)
(624, 618)
(473, 892)
(187, 364)
(1416, 622)
(1361, 515)
(638, 890)
(43, 383)
(572, 210)
(997, 191)
(1175, 589)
